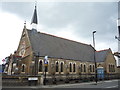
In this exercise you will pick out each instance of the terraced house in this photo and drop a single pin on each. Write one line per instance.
(65, 57)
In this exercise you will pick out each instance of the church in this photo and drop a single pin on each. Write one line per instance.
(40, 53)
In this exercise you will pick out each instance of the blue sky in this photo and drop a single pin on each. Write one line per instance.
(72, 20)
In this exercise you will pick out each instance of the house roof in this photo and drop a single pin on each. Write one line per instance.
(58, 47)
(101, 55)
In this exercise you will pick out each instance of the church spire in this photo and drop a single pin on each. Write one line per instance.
(34, 21)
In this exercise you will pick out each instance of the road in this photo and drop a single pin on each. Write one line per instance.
(106, 85)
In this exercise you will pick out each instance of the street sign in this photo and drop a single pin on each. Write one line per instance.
(100, 73)
(46, 65)
(46, 60)
(32, 78)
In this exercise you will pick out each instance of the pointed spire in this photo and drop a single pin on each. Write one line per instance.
(34, 18)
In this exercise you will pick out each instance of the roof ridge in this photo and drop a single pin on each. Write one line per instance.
(102, 50)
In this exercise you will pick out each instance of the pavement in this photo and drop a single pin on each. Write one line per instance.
(99, 84)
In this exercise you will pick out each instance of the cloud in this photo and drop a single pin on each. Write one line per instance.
(11, 29)
(66, 32)
(71, 20)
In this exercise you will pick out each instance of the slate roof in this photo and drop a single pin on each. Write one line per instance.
(101, 55)
(58, 47)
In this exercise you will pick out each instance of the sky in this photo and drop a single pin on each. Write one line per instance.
(72, 20)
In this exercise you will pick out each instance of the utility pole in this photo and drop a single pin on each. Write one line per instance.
(94, 57)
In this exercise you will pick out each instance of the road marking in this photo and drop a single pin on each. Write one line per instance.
(112, 86)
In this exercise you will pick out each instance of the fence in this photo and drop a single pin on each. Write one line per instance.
(16, 80)
(57, 79)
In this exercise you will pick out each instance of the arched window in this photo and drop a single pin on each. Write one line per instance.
(13, 67)
(93, 68)
(109, 68)
(90, 68)
(57, 66)
(23, 68)
(81, 68)
(113, 68)
(61, 67)
(70, 67)
(74, 68)
(84, 68)
(40, 66)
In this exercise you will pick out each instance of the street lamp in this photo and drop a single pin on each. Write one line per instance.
(45, 68)
(94, 57)
(94, 38)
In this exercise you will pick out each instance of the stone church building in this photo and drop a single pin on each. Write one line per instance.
(64, 57)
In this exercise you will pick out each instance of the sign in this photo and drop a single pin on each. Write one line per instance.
(3, 60)
(100, 73)
(45, 64)
(46, 60)
(32, 78)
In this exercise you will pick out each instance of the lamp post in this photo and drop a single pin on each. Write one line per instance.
(94, 57)
(94, 38)
(67, 74)
(45, 68)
